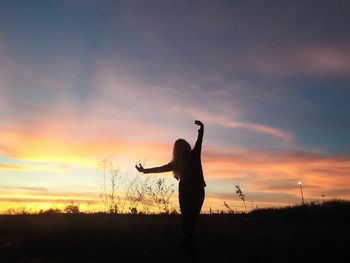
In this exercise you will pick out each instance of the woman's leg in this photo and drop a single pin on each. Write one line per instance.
(198, 202)
(185, 207)
(191, 201)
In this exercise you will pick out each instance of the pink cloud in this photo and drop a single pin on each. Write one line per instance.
(279, 171)
(301, 60)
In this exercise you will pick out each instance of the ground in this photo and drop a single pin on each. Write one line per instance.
(260, 237)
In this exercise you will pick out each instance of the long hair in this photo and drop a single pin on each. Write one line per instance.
(181, 158)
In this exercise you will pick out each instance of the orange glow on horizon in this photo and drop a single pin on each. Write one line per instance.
(85, 153)
(262, 172)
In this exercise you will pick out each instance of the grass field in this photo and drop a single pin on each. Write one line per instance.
(312, 233)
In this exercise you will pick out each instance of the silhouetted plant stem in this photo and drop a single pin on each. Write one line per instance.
(241, 195)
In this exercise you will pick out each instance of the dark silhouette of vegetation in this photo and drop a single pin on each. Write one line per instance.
(50, 211)
(161, 195)
(138, 192)
(230, 210)
(315, 232)
(18, 211)
(241, 195)
(326, 211)
(72, 208)
(121, 193)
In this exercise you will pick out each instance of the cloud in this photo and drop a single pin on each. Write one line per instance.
(130, 92)
(14, 167)
(226, 122)
(33, 167)
(36, 198)
(85, 152)
(278, 171)
(25, 188)
(307, 60)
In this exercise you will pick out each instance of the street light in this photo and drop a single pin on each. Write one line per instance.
(301, 191)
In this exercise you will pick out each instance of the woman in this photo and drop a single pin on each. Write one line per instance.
(187, 167)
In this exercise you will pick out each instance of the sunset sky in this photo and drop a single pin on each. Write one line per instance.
(83, 81)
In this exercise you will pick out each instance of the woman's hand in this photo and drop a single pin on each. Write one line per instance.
(199, 123)
(140, 168)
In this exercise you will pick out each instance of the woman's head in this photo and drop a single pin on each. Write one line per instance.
(181, 158)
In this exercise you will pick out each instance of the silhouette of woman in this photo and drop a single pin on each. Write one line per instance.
(187, 167)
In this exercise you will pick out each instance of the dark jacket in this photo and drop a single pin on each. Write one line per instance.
(195, 177)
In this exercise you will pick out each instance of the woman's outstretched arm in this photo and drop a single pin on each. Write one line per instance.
(160, 169)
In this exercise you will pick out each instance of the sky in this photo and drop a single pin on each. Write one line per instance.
(86, 81)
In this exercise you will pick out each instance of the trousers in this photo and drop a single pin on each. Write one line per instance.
(191, 200)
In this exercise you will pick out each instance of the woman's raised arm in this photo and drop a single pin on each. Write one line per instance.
(198, 145)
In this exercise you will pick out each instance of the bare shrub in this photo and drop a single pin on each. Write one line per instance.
(138, 190)
(112, 181)
(161, 195)
(121, 193)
